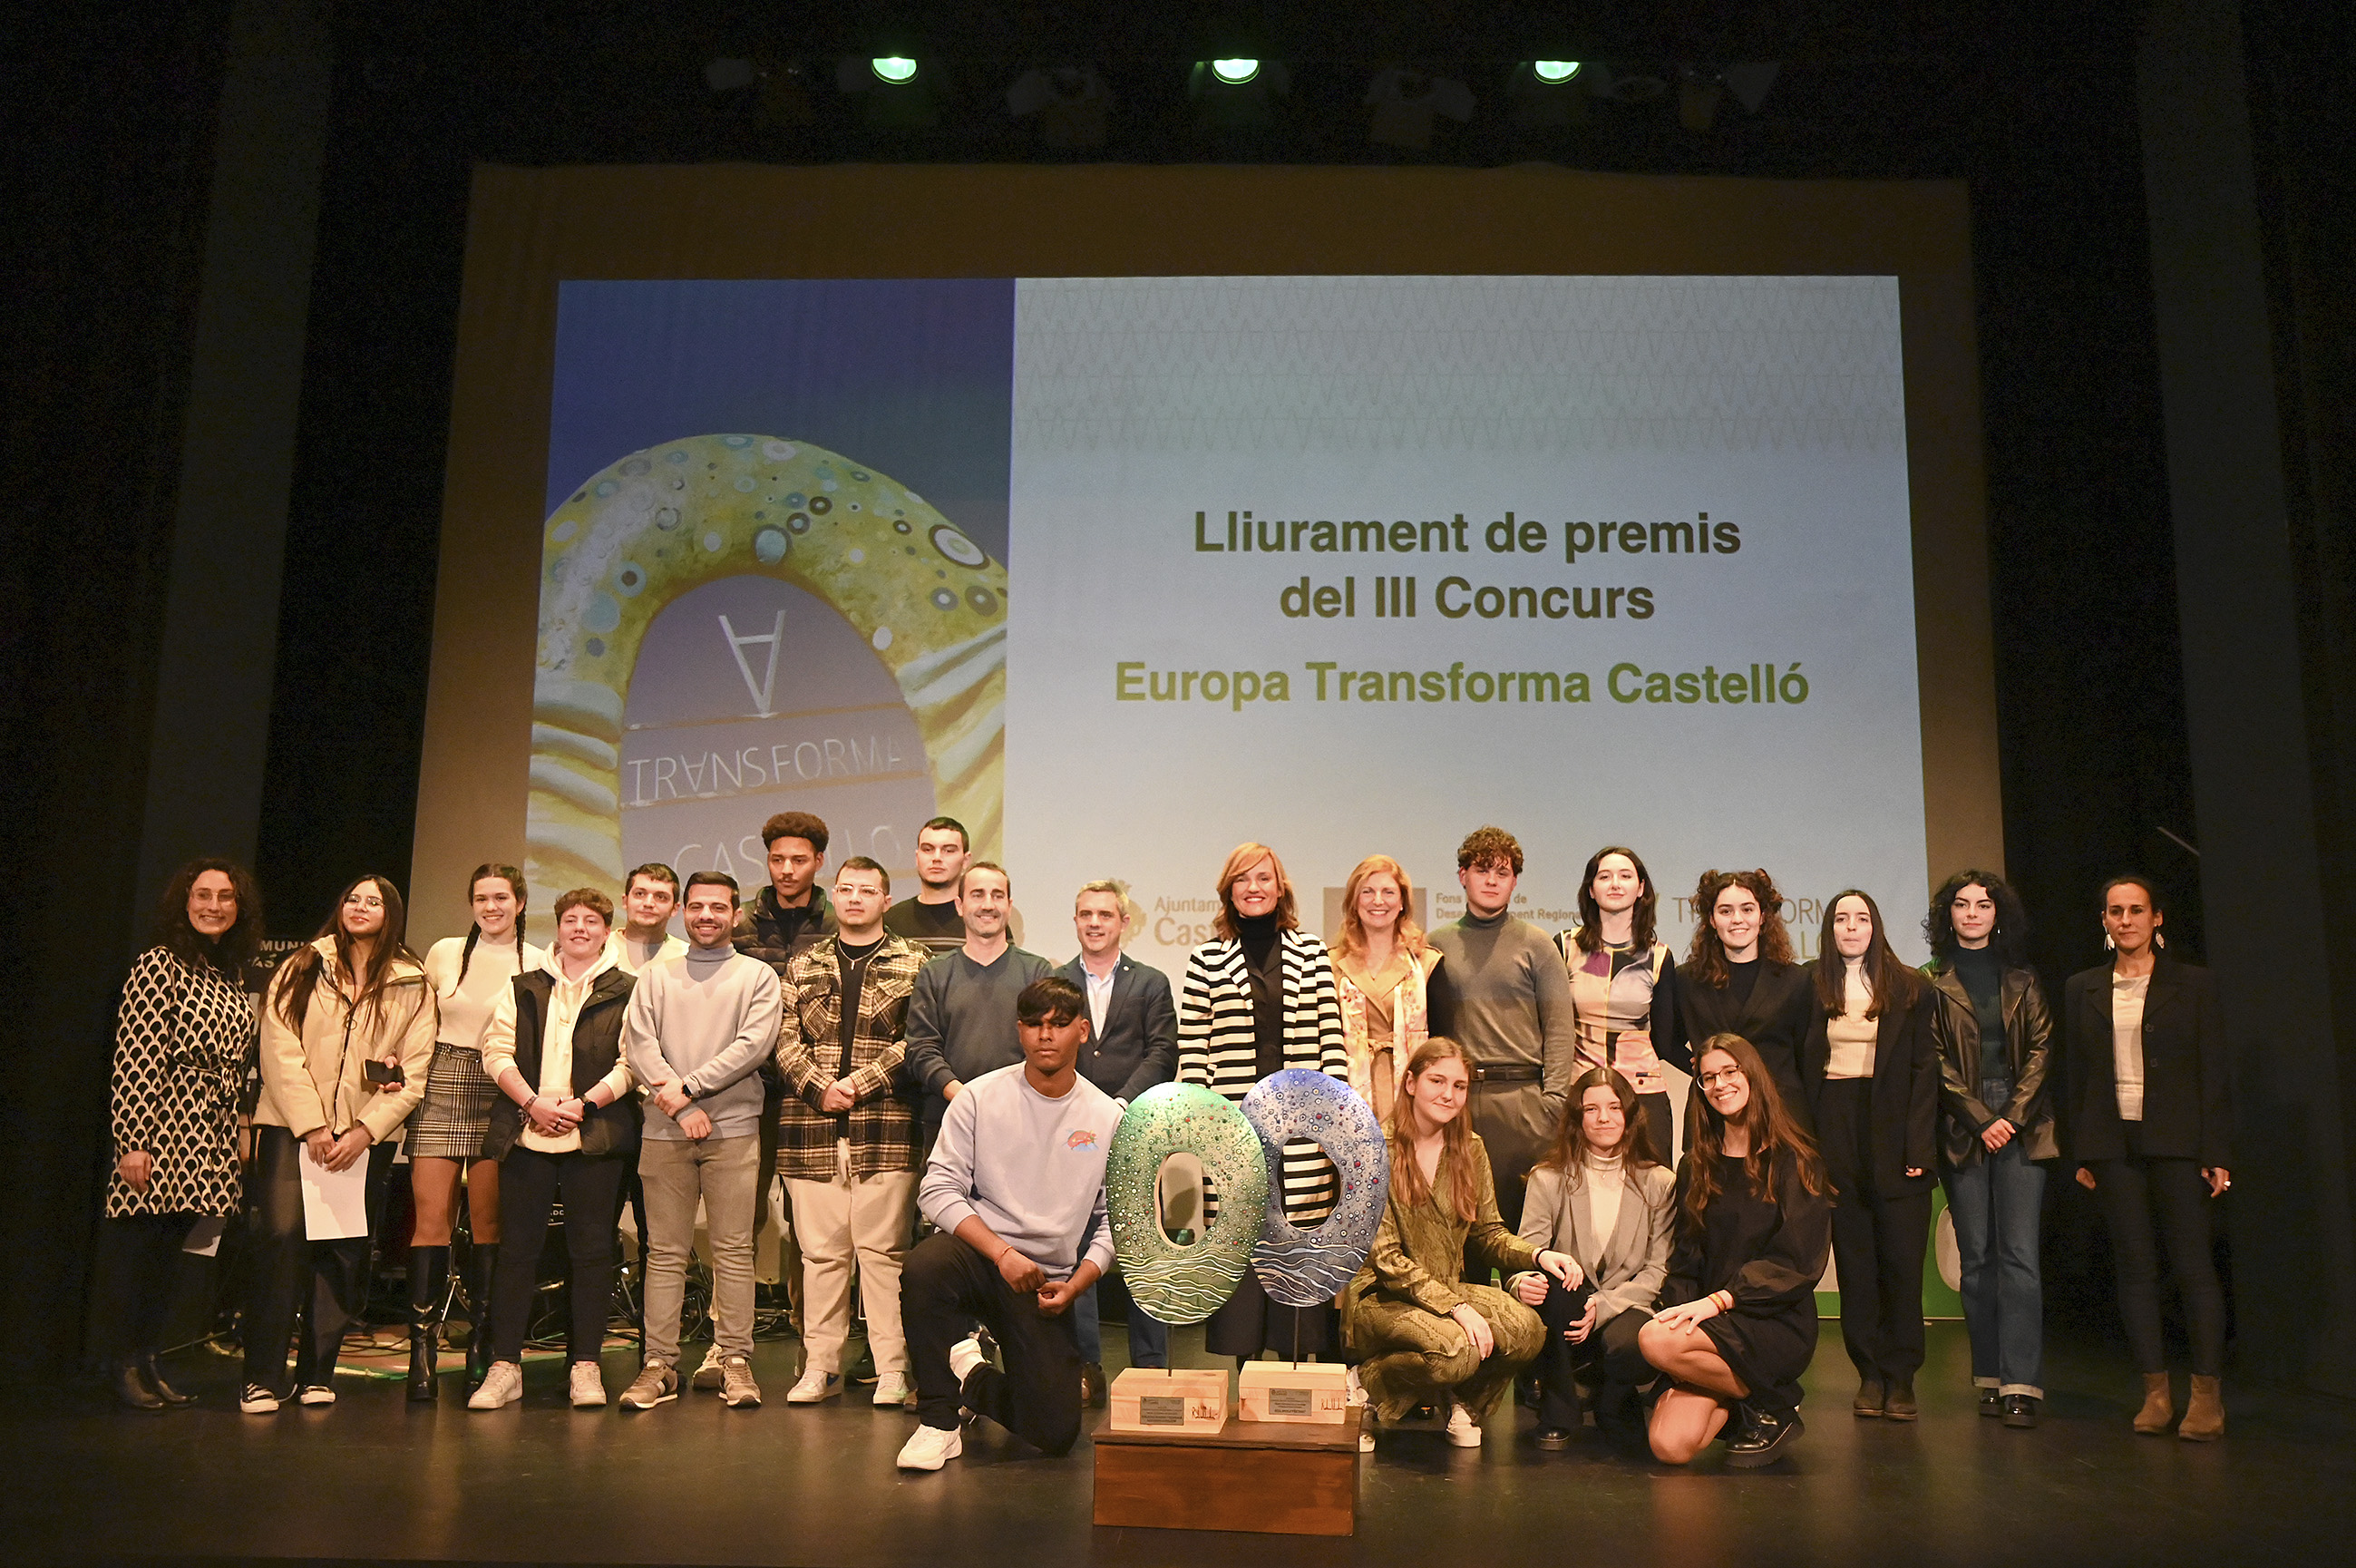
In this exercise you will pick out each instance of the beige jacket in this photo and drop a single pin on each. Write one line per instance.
(319, 1077)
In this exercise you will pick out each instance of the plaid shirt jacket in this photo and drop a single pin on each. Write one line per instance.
(880, 1124)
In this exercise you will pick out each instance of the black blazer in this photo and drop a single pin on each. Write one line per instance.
(1775, 1021)
(2187, 1105)
(596, 1046)
(1139, 1046)
(1903, 1126)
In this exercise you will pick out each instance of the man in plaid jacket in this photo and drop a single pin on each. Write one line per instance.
(846, 1138)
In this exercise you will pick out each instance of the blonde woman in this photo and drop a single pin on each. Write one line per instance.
(1382, 968)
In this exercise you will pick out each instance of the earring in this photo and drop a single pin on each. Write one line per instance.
(2108, 946)
(2158, 940)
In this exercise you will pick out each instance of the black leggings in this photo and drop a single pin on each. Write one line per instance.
(2148, 1203)
(325, 1281)
(530, 1184)
(138, 1265)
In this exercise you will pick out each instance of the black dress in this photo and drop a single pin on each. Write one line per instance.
(1769, 1257)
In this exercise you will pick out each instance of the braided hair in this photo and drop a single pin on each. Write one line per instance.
(514, 879)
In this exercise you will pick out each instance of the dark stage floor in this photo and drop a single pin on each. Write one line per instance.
(376, 1478)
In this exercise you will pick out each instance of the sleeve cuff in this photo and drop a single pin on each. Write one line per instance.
(952, 1214)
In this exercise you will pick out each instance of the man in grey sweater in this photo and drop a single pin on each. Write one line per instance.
(699, 1025)
(1501, 993)
(1016, 1186)
(961, 1016)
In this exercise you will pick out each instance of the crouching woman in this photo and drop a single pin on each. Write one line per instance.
(1421, 1335)
(1754, 1230)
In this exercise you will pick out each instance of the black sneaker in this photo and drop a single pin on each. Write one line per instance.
(2019, 1411)
(1769, 1435)
(1991, 1403)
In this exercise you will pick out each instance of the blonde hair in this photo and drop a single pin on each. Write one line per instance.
(1408, 1186)
(1240, 859)
(1354, 933)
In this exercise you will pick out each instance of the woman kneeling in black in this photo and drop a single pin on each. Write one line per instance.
(1755, 1231)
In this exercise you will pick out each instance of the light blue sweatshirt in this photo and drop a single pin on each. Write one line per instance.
(1031, 1168)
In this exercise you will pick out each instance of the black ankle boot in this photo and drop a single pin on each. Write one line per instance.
(429, 1276)
(157, 1386)
(129, 1388)
(481, 1268)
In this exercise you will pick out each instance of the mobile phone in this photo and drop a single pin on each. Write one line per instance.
(385, 1075)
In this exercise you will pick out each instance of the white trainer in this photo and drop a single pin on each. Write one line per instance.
(1354, 1390)
(1366, 1430)
(964, 1357)
(318, 1393)
(588, 1385)
(816, 1384)
(502, 1386)
(1462, 1430)
(894, 1389)
(928, 1448)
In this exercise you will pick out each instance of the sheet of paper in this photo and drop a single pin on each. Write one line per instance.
(335, 1203)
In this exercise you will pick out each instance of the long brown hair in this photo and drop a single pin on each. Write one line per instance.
(1354, 930)
(1894, 983)
(1770, 1128)
(1705, 960)
(1240, 859)
(1406, 1177)
(300, 974)
(237, 945)
(1641, 920)
(1568, 1152)
(514, 879)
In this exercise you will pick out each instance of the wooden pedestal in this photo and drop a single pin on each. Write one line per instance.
(1272, 1479)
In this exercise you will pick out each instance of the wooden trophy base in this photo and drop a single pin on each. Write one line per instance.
(1270, 1477)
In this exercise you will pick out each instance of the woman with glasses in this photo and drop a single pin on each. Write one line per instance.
(1754, 1233)
(183, 1037)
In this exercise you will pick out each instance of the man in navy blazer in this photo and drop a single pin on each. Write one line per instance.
(1132, 1045)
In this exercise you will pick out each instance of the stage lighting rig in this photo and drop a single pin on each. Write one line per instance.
(1072, 105)
(1547, 94)
(1237, 92)
(898, 93)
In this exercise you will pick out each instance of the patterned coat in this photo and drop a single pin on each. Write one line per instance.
(183, 1039)
(880, 1124)
(1216, 1044)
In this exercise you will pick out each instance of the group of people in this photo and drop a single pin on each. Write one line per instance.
(888, 1061)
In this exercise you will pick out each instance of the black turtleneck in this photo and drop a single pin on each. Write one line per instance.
(1263, 951)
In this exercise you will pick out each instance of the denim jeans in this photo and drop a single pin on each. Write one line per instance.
(1997, 1203)
(1148, 1341)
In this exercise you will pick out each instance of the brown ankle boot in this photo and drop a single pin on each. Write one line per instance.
(2204, 1413)
(2158, 1409)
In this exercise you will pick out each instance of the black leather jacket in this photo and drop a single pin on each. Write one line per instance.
(2027, 1043)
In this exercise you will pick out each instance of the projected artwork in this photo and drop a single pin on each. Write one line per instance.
(736, 625)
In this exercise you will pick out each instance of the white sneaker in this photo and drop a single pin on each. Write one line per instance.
(964, 1357)
(502, 1386)
(318, 1393)
(1365, 1430)
(894, 1389)
(1462, 1430)
(588, 1382)
(928, 1448)
(816, 1384)
(1356, 1391)
(258, 1401)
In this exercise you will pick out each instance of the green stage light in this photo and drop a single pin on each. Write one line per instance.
(1554, 71)
(1234, 72)
(893, 68)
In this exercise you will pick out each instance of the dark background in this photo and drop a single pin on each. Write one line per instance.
(2053, 114)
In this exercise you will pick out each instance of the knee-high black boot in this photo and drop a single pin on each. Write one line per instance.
(481, 1267)
(429, 1278)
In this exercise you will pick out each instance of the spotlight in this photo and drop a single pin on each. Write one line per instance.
(1234, 94)
(1234, 72)
(893, 68)
(1549, 95)
(1554, 72)
(895, 99)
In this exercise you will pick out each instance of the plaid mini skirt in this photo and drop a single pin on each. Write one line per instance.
(455, 1113)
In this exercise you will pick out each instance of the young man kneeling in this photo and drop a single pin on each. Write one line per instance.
(1016, 1186)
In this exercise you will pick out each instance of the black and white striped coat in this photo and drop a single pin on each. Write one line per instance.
(1217, 1044)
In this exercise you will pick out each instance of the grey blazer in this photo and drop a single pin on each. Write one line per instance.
(1628, 1268)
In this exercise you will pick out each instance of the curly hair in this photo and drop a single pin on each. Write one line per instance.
(238, 945)
(1485, 846)
(2010, 938)
(1706, 959)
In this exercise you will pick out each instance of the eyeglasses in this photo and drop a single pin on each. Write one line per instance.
(1712, 1079)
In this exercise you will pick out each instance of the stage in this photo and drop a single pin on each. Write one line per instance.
(377, 1479)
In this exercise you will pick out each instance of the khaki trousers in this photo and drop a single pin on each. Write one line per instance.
(868, 1219)
(674, 1174)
